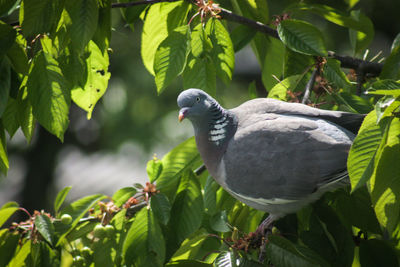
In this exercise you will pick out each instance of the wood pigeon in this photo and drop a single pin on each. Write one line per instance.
(271, 155)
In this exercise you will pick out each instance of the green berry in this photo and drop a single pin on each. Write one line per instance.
(66, 219)
(78, 261)
(99, 231)
(110, 230)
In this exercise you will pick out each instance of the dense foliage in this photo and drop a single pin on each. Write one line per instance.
(58, 53)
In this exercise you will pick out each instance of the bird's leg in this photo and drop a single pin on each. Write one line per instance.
(262, 232)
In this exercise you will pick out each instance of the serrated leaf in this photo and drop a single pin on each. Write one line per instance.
(102, 35)
(154, 168)
(122, 195)
(161, 208)
(170, 57)
(190, 246)
(302, 37)
(3, 152)
(384, 184)
(161, 19)
(282, 252)
(21, 255)
(45, 227)
(48, 94)
(360, 162)
(81, 18)
(200, 73)
(17, 56)
(273, 62)
(210, 196)
(222, 52)
(187, 208)
(384, 87)
(39, 16)
(391, 67)
(6, 213)
(77, 210)
(5, 82)
(357, 103)
(199, 43)
(43, 255)
(96, 84)
(334, 74)
(144, 243)
(280, 89)
(7, 36)
(225, 259)
(131, 14)
(179, 159)
(359, 23)
(241, 36)
(219, 222)
(60, 198)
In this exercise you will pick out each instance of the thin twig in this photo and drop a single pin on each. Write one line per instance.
(309, 86)
(137, 3)
(200, 170)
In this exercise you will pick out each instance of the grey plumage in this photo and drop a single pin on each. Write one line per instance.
(272, 155)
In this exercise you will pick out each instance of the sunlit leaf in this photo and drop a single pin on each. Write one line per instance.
(8, 245)
(6, 213)
(60, 198)
(384, 87)
(273, 64)
(122, 195)
(96, 84)
(280, 89)
(334, 74)
(302, 37)
(200, 73)
(161, 208)
(7, 6)
(21, 255)
(144, 243)
(45, 227)
(3, 153)
(170, 57)
(25, 113)
(154, 168)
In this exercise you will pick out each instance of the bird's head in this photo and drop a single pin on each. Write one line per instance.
(195, 104)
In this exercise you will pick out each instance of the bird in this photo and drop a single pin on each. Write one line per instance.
(272, 155)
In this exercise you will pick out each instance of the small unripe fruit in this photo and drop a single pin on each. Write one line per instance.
(78, 261)
(110, 230)
(99, 231)
(86, 252)
(66, 219)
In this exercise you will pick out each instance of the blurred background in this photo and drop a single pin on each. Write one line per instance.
(131, 124)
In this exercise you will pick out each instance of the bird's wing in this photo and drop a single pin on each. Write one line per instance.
(349, 121)
(284, 156)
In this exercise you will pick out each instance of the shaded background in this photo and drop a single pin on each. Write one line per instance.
(131, 123)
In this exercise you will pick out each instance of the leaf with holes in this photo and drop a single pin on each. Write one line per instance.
(49, 95)
(170, 57)
(302, 37)
(96, 84)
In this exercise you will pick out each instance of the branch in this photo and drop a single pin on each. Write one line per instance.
(361, 66)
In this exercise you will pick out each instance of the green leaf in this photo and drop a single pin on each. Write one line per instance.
(60, 198)
(241, 36)
(103, 252)
(179, 159)
(21, 256)
(81, 18)
(391, 67)
(8, 245)
(384, 184)
(170, 57)
(43, 255)
(188, 263)
(357, 103)
(210, 196)
(161, 208)
(384, 87)
(96, 84)
(102, 35)
(3, 153)
(25, 113)
(7, 36)
(302, 37)
(334, 74)
(282, 252)
(358, 22)
(39, 16)
(122, 195)
(45, 227)
(199, 41)
(360, 162)
(360, 38)
(219, 222)
(223, 54)
(5, 82)
(192, 247)
(17, 56)
(154, 168)
(48, 94)
(225, 259)
(9, 117)
(77, 210)
(144, 243)
(374, 252)
(131, 14)
(6, 7)
(273, 62)
(6, 213)
(280, 89)
(161, 19)
(187, 209)
(396, 42)
(200, 73)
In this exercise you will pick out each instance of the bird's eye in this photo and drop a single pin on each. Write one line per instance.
(198, 99)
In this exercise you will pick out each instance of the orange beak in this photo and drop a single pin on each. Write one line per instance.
(181, 116)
